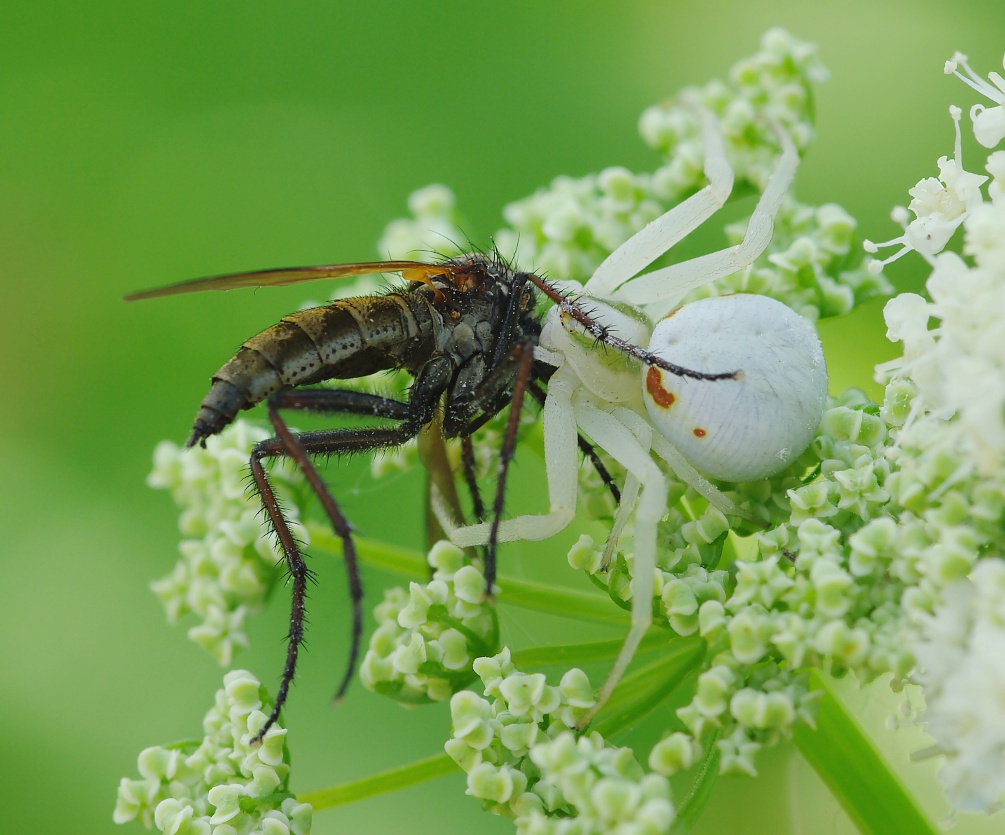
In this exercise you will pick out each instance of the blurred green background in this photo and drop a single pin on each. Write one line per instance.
(145, 143)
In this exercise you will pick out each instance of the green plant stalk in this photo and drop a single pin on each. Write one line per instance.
(386, 781)
(691, 807)
(852, 768)
(584, 653)
(410, 564)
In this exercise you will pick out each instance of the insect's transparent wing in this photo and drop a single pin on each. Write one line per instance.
(291, 275)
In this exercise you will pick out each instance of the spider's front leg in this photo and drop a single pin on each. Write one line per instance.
(658, 236)
(561, 465)
(669, 284)
(419, 410)
(627, 439)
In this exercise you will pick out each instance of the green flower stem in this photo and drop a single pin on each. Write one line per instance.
(563, 602)
(410, 564)
(404, 561)
(847, 761)
(584, 653)
(640, 692)
(691, 807)
(387, 781)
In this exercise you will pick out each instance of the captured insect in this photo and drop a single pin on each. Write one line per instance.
(465, 329)
(743, 428)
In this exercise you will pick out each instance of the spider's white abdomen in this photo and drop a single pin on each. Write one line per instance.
(751, 427)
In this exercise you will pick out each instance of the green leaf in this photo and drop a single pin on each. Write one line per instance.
(639, 693)
(691, 807)
(847, 761)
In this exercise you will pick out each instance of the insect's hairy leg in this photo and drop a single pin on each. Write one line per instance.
(470, 478)
(561, 466)
(525, 354)
(414, 414)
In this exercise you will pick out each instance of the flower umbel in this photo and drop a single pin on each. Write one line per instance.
(228, 558)
(223, 785)
(428, 637)
(524, 761)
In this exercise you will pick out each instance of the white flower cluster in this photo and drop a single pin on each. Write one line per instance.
(432, 228)
(428, 637)
(567, 229)
(523, 760)
(228, 560)
(960, 658)
(950, 455)
(223, 785)
(959, 364)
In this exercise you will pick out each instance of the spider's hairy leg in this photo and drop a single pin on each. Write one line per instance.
(625, 508)
(686, 472)
(587, 449)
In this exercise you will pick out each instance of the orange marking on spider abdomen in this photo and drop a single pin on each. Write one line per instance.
(654, 385)
(699, 433)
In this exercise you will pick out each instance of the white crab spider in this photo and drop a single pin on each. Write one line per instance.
(740, 429)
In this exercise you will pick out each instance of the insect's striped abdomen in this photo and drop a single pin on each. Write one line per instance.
(348, 338)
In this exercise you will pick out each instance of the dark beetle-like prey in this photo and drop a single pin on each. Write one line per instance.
(465, 330)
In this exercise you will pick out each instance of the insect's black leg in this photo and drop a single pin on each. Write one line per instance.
(468, 463)
(299, 573)
(586, 448)
(605, 476)
(417, 411)
(524, 353)
(300, 448)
